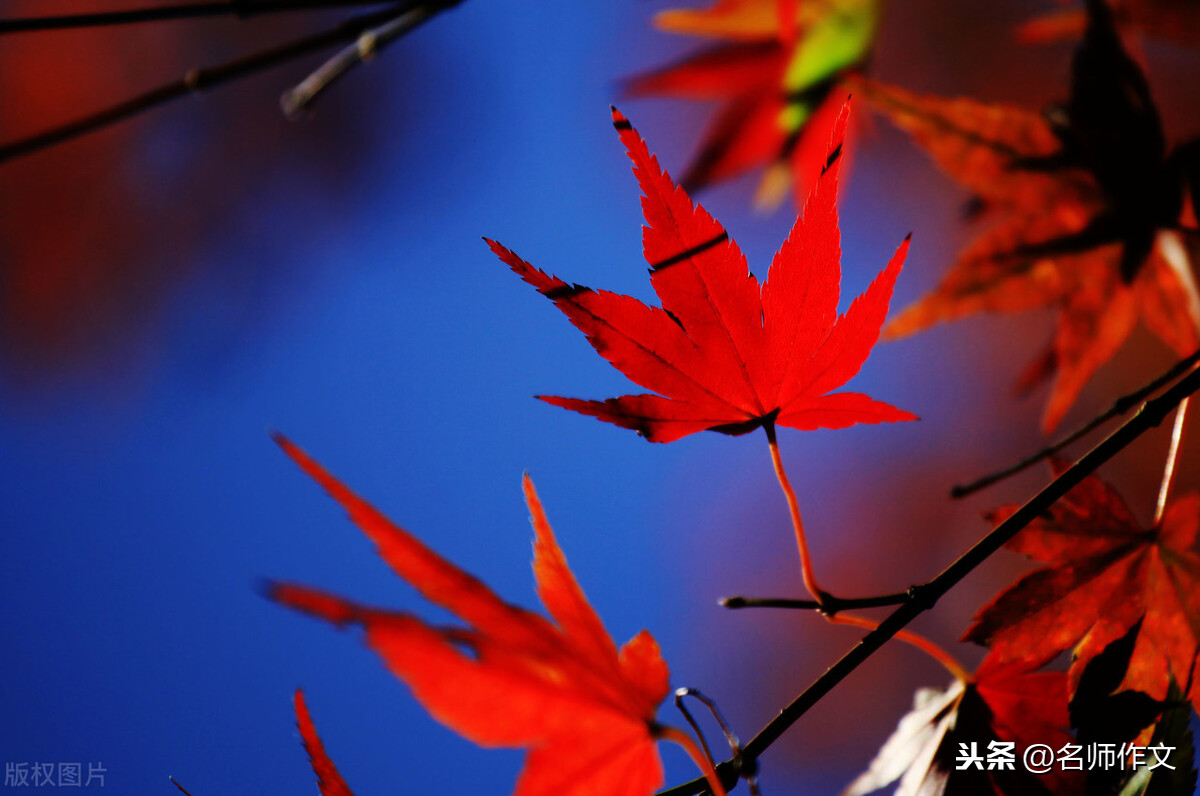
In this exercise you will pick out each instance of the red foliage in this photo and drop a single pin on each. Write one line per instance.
(328, 779)
(1103, 574)
(511, 678)
(776, 70)
(1089, 203)
(725, 353)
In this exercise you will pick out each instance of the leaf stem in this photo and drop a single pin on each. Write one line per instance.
(1120, 407)
(684, 740)
(1151, 414)
(806, 565)
(1164, 489)
(200, 10)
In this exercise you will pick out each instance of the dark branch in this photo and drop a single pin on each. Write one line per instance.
(680, 693)
(830, 605)
(198, 80)
(213, 8)
(368, 45)
(924, 597)
(1120, 407)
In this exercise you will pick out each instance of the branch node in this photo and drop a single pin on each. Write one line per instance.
(921, 596)
(746, 767)
(828, 605)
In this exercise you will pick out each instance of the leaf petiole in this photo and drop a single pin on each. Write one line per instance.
(806, 565)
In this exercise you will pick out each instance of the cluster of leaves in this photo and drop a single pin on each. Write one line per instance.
(777, 71)
(1092, 216)
(1090, 206)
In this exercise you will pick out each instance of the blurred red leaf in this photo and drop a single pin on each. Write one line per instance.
(511, 678)
(1176, 21)
(776, 74)
(328, 779)
(1089, 205)
(1104, 573)
(1003, 703)
(728, 355)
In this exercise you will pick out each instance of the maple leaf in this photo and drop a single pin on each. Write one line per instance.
(1004, 703)
(1103, 574)
(328, 779)
(510, 677)
(1175, 21)
(1089, 204)
(723, 353)
(776, 75)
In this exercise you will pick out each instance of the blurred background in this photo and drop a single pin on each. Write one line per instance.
(173, 288)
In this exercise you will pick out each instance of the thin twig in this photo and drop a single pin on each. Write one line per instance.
(1164, 489)
(370, 42)
(1120, 407)
(735, 746)
(203, 10)
(730, 736)
(680, 693)
(926, 596)
(198, 80)
(175, 782)
(831, 605)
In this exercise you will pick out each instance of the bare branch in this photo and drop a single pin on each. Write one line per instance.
(198, 80)
(830, 606)
(299, 99)
(213, 8)
(1121, 406)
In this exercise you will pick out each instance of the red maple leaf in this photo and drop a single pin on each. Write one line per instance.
(328, 779)
(724, 353)
(583, 708)
(1090, 203)
(1103, 574)
(775, 70)
(1003, 703)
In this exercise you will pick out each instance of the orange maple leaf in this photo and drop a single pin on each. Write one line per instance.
(1103, 574)
(726, 353)
(776, 73)
(561, 688)
(328, 779)
(1090, 204)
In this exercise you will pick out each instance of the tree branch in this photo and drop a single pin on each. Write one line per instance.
(198, 80)
(926, 596)
(831, 606)
(1121, 406)
(368, 45)
(202, 10)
